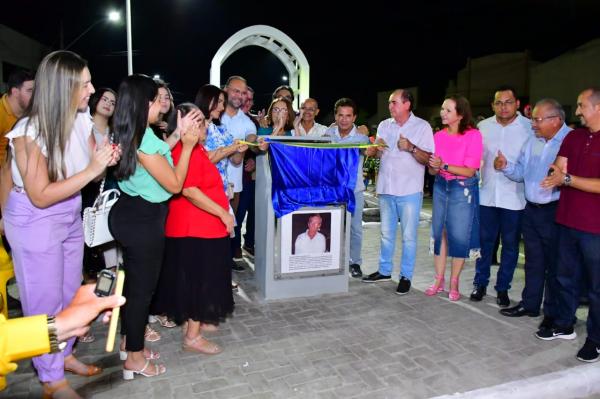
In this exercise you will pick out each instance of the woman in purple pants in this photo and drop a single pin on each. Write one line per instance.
(53, 157)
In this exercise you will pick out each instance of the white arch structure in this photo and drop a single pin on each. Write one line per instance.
(278, 43)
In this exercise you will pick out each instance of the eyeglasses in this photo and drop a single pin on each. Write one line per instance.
(278, 110)
(108, 100)
(507, 103)
(309, 109)
(540, 120)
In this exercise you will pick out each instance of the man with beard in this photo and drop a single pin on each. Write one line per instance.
(576, 171)
(13, 104)
(240, 126)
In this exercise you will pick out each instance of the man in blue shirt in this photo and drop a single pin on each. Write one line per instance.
(540, 231)
(344, 131)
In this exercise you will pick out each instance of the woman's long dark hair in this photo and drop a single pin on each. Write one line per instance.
(130, 119)
(207, 100)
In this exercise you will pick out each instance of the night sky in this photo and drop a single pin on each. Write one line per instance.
(353, 51)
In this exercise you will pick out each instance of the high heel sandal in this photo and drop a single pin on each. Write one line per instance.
(454, 294)
(158, 370)
(151, 335)
(48, 390)
(437, 286)
(165, 321)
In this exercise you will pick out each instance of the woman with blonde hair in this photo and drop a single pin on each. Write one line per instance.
(53, 158)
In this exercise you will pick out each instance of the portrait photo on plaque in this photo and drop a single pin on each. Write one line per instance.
(310, 240)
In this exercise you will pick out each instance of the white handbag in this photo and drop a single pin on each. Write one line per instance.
(95, 218)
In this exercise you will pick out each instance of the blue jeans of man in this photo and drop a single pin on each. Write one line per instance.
(407, 209)
(578, 258)
(356, 228)
(540, 234)
(508, 223)
(246, 204)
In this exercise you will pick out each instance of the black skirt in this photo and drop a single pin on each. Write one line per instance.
(196, 280)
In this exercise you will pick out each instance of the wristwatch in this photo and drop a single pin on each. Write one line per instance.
(55, 345)
(567, 179)
(445, 167)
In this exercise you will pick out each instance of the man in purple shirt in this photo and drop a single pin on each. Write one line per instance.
(577, 171)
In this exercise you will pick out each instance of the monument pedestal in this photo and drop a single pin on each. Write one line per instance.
(281, 271)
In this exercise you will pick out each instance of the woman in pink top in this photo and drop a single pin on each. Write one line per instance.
(455, 225)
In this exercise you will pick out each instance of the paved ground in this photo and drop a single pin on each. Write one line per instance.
(367, 343)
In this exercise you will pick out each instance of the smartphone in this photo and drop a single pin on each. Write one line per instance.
(114, 319)
(105, 283)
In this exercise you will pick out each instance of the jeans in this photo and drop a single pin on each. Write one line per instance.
(578, 258)
(455, 208)
(540, 233)
(356, 228)
(508, 222)
(246, 204)
(407, 208)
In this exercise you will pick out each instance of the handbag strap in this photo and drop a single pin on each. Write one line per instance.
(102, 185)
(95, 204)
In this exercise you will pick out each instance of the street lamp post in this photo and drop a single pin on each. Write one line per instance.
(129, 45)
(112, 16)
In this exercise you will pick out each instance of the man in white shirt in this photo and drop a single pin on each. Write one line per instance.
(344, 131)
(501, 200)
(305, 125)
(311, 241)
(409, 142)
(240, 126)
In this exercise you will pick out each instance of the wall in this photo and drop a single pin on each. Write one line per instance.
(18, 50)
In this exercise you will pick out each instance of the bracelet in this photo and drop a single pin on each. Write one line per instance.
(55, 345)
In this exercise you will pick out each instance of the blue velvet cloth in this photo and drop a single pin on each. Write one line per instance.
(312, 177)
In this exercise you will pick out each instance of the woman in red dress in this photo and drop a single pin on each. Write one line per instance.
(198, 249)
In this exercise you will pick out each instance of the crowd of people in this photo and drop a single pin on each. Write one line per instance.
(186, 181)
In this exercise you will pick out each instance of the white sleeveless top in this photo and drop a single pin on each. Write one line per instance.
(77, 152)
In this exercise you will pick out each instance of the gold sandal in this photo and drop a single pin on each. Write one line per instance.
(211, 349)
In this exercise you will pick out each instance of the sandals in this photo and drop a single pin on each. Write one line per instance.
(151, 355)
(158, 370)
(165, 321)
(87, 338)
(89, 370)
(454, 295)
(436, 287)
(209, 348)
(151, 335)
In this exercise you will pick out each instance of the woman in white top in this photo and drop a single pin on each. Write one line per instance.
(52, 159)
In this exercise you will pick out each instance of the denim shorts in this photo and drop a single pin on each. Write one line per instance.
(456, 209)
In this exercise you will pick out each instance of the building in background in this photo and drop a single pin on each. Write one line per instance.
(565, 76)
(18, 51)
